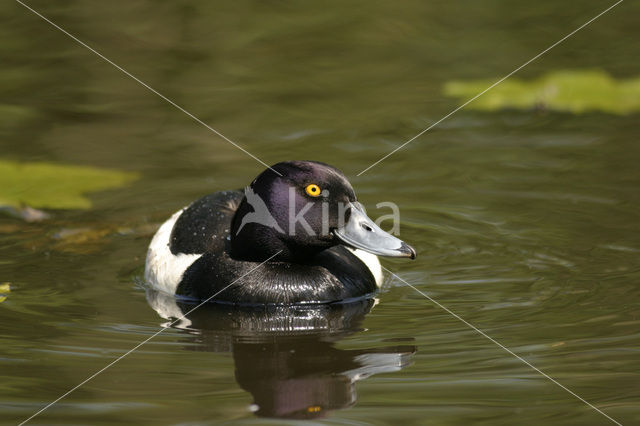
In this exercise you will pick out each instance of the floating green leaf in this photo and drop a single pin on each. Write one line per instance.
(576, 91)
(5, 288)
(55, 186)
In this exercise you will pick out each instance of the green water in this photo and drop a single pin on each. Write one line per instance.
(525, 222)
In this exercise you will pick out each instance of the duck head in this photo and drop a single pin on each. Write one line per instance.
(301, 208)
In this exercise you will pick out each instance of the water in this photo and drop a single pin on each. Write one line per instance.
(526, 223)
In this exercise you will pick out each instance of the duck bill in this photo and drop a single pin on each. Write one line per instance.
(362, 233)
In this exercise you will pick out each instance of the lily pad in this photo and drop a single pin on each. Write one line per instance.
(81, 240)
(5, 288)
(576, 91)
(55, 186)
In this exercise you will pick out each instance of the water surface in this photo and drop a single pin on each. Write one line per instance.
(526, 222)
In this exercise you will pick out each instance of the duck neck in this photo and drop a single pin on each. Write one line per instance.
(256, 242)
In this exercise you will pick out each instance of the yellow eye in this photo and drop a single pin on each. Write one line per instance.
(313, 190)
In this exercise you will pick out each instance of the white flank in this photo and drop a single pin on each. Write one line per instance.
(164, 269)
(372, 262)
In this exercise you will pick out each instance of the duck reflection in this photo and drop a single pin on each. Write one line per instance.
(285, 356)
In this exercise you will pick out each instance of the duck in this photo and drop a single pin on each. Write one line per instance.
(295, 235)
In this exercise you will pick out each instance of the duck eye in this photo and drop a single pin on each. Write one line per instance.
(313, 190)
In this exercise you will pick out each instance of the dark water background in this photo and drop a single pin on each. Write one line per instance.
(526, 223)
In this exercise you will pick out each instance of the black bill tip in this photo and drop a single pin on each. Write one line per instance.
(410, 251)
